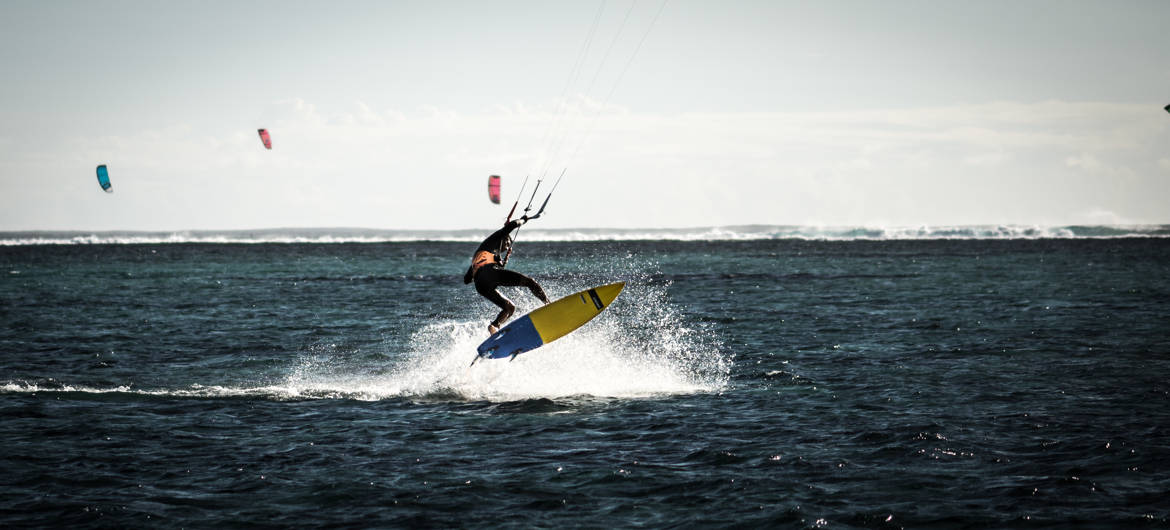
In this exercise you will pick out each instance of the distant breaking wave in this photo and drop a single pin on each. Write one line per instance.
(721, 233)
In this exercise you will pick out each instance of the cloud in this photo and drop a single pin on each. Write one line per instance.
(359, 165)
(1097, 216)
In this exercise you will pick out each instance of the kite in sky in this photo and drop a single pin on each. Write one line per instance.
(103, 176)
(494, 189)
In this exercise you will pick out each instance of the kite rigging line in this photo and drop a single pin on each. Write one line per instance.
(554, 148)
(527, 209)
(589, 90)
(557, 132)
(574, 74)
(617, 82)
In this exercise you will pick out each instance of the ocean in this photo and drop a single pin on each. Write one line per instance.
(763, 376)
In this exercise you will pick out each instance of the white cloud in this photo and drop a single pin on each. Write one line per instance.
(422, 168)
(1098, 216)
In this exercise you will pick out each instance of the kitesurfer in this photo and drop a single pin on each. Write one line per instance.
(488, 272)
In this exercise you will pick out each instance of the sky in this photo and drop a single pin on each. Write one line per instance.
(392, 114)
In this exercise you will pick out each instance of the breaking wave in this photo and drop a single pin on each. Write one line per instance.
(714, 233)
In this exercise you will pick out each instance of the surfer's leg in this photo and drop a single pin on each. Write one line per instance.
(506, 310)
(515, 279)
(488, 290)
(536, 290)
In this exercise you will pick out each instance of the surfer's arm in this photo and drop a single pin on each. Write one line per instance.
(492, 242)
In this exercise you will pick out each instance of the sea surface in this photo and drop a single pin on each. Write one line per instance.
(754, 377)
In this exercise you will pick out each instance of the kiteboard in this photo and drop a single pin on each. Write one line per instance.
(548, 322)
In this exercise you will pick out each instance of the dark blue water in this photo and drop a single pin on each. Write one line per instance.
(778, 383)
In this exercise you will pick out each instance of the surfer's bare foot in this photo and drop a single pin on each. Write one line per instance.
(492, 329)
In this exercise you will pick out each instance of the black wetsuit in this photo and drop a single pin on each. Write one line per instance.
(492, 274)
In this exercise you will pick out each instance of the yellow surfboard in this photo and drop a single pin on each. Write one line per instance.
(549, 322)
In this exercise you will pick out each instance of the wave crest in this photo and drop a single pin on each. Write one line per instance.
(713, 233)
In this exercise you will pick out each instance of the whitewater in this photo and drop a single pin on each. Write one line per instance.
(713, 233)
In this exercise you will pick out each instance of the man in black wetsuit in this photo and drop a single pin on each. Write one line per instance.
(488, 272)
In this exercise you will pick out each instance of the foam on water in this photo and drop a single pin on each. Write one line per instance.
(639, 347)
(598, 361)
(708, 233)
(193, 391)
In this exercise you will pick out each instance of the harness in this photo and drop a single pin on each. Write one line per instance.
(482, 258)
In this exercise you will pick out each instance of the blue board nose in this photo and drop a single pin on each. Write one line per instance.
(519, 336)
